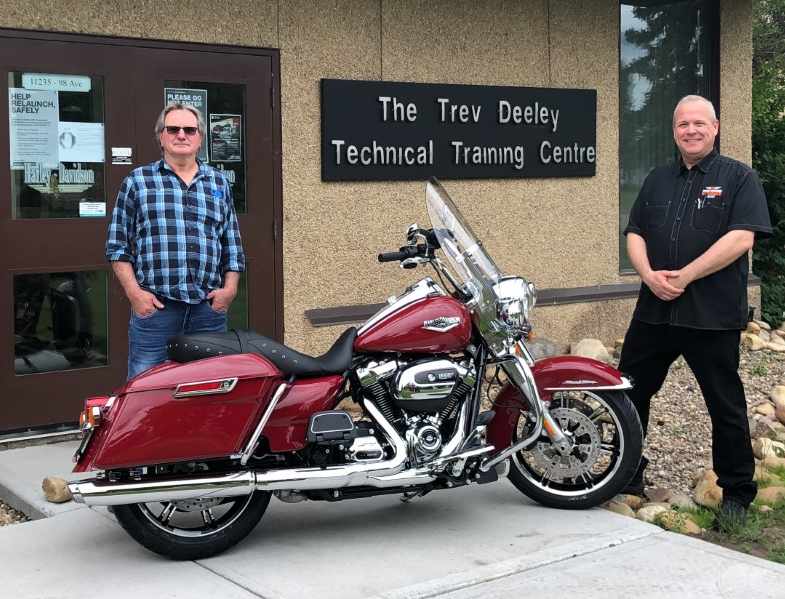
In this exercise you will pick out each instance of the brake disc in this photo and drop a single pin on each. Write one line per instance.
(197, 505)
(586, 445)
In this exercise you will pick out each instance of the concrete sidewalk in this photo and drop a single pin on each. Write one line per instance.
(482, 541)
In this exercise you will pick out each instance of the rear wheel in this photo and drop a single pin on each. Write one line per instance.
(607, 440)
(195, 529)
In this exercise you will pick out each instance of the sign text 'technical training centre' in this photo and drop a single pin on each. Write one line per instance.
(377, 130)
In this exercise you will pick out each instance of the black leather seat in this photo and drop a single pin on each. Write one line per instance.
(186, 348)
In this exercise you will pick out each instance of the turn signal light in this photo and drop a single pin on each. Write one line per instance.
(91, 416)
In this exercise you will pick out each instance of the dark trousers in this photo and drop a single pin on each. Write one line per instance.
(713, 356)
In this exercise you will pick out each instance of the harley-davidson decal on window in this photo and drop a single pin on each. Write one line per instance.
(442, 323)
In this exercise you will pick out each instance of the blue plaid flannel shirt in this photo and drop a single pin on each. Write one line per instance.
(179, 240)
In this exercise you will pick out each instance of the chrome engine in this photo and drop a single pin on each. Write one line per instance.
(418, 397)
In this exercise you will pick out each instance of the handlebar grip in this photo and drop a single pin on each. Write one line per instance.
(400, 255)
(393, 256)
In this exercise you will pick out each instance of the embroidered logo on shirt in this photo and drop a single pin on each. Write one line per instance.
(712, 192)
(218, 194)
(707, 194)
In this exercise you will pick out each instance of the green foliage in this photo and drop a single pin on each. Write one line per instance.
(768, 150)
(759, 369)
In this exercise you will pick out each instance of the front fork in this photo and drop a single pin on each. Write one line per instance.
(516, 365)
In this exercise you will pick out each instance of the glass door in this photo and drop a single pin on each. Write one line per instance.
(81, 115)
(235, 97)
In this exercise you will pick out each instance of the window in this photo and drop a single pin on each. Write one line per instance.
(223, 107)
(59, 321)
(667, 51)
(56, 126)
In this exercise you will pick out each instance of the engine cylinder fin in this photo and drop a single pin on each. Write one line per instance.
(458, 393)
(382, 400)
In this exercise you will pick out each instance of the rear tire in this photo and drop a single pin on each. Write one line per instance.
(190, 530)
(607, 444)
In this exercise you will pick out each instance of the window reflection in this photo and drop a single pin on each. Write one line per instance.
(60, 321)
(56, 125)
(237, 318)
(664, 56)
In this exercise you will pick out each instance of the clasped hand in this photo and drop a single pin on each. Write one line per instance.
(667, 284)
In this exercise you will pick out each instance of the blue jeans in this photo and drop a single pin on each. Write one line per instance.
(147, 336)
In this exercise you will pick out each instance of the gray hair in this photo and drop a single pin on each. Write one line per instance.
(694, 98)
(200, 124)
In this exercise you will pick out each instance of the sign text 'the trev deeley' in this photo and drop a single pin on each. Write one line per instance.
(373, 130)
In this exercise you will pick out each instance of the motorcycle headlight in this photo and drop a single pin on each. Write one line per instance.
(515, 299)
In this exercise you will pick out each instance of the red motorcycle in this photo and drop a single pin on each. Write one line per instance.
(190, 452)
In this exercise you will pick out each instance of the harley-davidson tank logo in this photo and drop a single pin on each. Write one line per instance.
(442, 323)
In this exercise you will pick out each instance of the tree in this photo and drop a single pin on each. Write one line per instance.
(768, 149)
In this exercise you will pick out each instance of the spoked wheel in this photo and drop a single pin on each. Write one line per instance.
(607, 441)
(196, 529)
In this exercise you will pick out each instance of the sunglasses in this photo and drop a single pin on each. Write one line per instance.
(175, 130)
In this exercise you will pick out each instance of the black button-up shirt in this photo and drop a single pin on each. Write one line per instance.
(680, 213)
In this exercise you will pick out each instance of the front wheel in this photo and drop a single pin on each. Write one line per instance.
(189, 530)
(607, 440)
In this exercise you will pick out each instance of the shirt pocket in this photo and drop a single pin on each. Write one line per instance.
(214, 211)
(656, 214)
(707, 215)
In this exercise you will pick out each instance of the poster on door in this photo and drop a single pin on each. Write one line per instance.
(225, 137)
(81, 142)
(192, 97)
(33, 122)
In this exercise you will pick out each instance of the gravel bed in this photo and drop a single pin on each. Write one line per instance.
(9, 515)
(678, 443)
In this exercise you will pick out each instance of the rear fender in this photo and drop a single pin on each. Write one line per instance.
(561, 373)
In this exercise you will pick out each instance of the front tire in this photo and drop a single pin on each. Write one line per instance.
(607, 439)
(190, 530)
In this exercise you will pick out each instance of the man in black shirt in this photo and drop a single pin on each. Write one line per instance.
(688, 236)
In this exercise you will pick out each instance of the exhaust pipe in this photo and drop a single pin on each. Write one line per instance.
(378, 474)
(104, 492)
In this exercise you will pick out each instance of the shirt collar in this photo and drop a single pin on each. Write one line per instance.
(703, 165)
(162, 165)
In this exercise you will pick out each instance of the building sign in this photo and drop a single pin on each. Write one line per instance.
(375, 130)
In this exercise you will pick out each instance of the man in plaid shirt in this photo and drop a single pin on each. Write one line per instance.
(174, 243)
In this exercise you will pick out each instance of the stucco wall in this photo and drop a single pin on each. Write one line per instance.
(556, 232)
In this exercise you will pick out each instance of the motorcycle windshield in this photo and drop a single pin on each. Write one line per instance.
(470, 262)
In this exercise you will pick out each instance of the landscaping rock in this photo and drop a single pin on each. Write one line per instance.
(619, 507)
(778, 396)
(591, 348)
(55, 489)
(707, 493)
(771, 494)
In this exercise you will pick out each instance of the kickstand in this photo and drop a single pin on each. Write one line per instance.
(421, 493)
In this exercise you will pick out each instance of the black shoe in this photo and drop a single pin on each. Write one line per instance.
(634, 487)
(731, 516)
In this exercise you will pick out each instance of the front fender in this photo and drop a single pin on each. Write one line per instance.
(562, 373)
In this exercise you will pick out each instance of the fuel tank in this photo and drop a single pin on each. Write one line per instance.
(439, 324)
